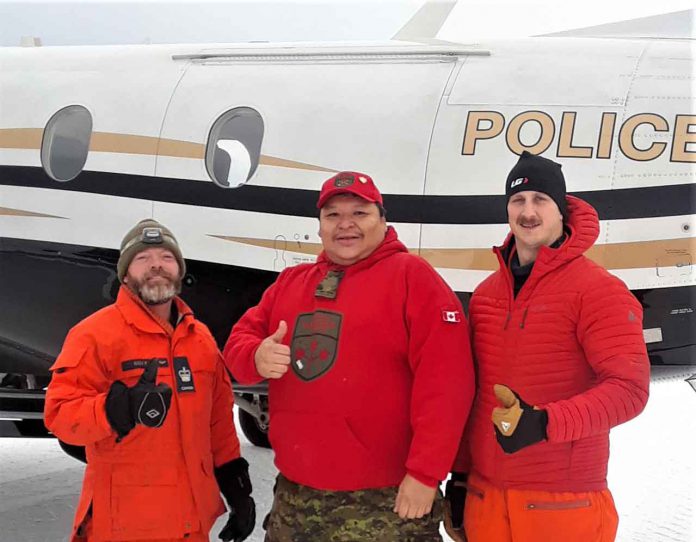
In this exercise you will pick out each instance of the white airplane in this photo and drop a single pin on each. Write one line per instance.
(228, 144)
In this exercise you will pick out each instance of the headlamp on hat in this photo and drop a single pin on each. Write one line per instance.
(152, 236)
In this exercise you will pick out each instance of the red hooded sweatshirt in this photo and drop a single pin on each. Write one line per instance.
(381, 381)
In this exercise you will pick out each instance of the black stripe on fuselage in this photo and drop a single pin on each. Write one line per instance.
(644, 202)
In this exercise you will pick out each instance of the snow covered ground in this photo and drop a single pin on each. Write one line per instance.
(652, 475)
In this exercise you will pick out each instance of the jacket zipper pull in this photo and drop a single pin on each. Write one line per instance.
(524, 317)
(507, 320)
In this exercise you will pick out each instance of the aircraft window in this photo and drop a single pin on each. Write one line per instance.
(66, 143)
(234, 146)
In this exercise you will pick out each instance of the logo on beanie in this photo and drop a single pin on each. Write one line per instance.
(342, 182)
(517, 182)
(362, 179)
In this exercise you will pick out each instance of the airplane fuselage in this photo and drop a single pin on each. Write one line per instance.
(228, 145)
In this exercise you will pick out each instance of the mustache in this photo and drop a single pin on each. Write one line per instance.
(524, 222)
(159, 273)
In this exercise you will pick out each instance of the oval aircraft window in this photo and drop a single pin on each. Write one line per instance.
(66, 143)
(234, 146)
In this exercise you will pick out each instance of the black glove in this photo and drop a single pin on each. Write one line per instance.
(74, 451)
(517, 424)
(455, 495)
(235, 485)
(146, 403)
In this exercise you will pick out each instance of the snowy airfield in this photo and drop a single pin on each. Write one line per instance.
(652, 474)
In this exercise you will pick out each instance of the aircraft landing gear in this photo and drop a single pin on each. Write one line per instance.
(253, 418)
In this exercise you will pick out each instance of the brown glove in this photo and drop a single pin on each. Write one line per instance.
(517, 424)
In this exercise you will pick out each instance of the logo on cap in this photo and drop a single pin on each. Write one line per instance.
(517, 182)
(342, 182)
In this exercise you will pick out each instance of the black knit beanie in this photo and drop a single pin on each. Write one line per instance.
(540, 174)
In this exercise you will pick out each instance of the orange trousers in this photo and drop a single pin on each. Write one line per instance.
(492, 514)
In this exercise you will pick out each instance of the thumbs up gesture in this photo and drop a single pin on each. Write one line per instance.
(272, 357)
(146, 403)
(517, 424)
(149, 401)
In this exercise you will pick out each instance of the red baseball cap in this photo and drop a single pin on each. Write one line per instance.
(349, 182)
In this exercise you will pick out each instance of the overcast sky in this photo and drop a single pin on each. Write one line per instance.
(90, 22)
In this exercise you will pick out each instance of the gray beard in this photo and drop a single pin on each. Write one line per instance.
(157, 294)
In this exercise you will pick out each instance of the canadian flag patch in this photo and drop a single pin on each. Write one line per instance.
(453, 317)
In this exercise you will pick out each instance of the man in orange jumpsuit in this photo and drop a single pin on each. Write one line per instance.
(141, 385)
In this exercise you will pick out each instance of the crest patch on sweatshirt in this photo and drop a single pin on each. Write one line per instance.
(315, 343)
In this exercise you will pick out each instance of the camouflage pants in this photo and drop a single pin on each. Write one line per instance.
(303, 514)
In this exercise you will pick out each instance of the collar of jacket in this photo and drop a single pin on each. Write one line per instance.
(137, 314)
(390, 245)
(582, 229)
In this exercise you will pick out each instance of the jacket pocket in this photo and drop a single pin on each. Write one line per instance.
(69, 358)
(145, 500)
(209, 501)
(558, 505)
(316, 446)
(474, 490)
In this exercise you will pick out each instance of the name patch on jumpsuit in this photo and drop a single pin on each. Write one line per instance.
(132, 364)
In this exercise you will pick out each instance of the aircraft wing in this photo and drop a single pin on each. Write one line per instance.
(675, 25)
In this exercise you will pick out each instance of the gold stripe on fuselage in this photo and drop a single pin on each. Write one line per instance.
(30, 139)
(633, 255)
(7, 211)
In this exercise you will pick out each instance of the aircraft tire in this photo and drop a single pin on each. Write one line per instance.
(255, 432)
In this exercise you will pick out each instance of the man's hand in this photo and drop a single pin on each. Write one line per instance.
(272, 358)
(517, 424)
(145, 403)
(414, 499)
(235, 485)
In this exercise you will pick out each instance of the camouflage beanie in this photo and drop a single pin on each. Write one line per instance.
(146, 234)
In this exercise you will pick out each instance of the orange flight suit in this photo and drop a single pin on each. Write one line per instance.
(156, 483)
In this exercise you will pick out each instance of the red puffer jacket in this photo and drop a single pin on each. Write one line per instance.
(570, 342)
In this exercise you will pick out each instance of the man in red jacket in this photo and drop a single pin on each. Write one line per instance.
(367, 353)
(560, 356)
(140, 384)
